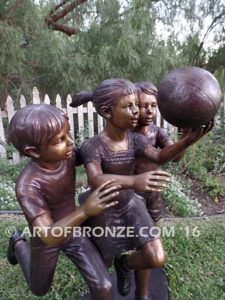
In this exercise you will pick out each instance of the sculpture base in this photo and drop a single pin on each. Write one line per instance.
(157, 287)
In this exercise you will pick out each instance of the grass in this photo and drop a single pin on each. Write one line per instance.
(195, 264)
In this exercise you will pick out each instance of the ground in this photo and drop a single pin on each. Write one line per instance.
(210, 205)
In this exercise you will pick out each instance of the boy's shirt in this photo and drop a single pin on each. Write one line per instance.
(158, 138)
(40, 191)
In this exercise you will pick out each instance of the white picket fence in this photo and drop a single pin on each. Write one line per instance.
(82, 119)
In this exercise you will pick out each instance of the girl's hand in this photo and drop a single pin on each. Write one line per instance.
(182, 132)
(101, 199)
(153, 181)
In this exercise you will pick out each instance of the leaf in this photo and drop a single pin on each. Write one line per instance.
(216, 200)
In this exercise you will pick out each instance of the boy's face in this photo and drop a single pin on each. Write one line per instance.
(147, 109)
(59, 147)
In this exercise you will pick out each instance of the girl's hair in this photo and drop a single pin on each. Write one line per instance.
(34, 125)
(107, 93)
(147, 87)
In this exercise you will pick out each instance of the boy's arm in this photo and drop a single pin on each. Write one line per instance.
(53, 233)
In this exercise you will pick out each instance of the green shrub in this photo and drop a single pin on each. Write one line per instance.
(7, 195)
(178, 200)
(10, 171)
(205, 162)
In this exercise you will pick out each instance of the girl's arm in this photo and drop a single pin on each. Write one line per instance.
(169, 153)
(148, 181)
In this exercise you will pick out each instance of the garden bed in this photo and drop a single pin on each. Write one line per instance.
(210, 205)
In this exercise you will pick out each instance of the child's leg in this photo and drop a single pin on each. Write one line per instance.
(38, 263)
(22, 252)
(142, 284)
(154, 205)
(149, 255)
(90, 264)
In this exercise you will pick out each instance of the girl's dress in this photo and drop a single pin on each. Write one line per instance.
(126, 225)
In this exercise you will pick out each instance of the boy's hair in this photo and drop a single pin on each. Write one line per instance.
(107, 93)
(34, 125)
(147, 87)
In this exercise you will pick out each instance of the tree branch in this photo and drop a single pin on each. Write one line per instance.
(63, 28)
(56, 15)
(211, 26)
(57, 7)
(67, 9)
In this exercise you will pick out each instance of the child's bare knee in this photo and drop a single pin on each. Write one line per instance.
(158, 259)
(154, 254)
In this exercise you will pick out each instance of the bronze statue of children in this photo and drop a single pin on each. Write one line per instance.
(111, 155)
(45, 190)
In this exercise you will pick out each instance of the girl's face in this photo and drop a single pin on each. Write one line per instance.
(125, 112)
(147, 107)
(59, 147)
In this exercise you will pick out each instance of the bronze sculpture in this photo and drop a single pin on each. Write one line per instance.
(110, 155)
(45, 190)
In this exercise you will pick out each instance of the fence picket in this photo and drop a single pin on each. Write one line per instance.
(70, 112)
(158, 118)
(100, 123)
(90, 111)
(224, 106)
(11, 112)
(80, 114)
(22, 101)
(36, 97)
(2, 138)
(58, 101)
(47, 99)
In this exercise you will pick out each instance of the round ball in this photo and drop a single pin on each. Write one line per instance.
(189, 97)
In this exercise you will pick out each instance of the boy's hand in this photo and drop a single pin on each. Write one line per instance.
(101, 199)
(153, 181)
(195, 134)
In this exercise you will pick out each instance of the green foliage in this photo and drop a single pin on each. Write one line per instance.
(178, 200)
(81, 136)
(115, 39)
(10, 171)
(206, 163)
(7, 195)
(8, 176)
